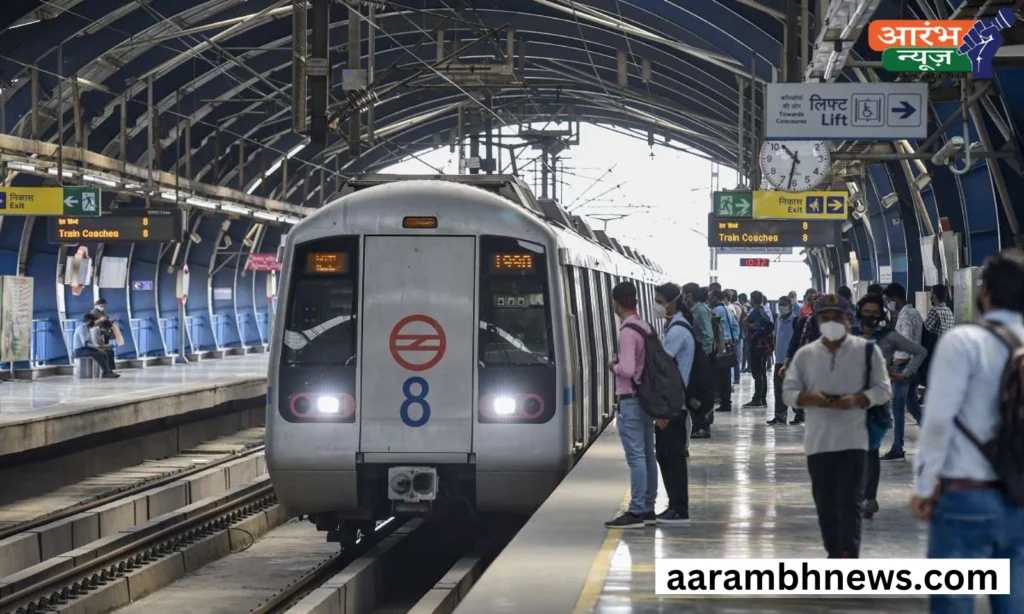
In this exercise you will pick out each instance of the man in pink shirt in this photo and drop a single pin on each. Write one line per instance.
(636, 427)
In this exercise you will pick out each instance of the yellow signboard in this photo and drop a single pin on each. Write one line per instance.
(31, 201)
(800, 205)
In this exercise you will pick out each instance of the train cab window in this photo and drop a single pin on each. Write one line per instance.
(515, 316)
(322, 303)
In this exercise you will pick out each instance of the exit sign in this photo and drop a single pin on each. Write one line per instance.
(759, 262)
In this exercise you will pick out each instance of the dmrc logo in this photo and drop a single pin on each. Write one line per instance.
(960, 46)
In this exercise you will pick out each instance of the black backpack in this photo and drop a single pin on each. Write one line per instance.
(660, 387)
(1006, 451)
(700, 395)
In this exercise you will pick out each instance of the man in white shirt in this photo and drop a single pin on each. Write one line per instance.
(910, 324)
(829, 378)
(956, 488)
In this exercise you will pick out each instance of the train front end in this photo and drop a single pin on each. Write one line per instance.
(414, 363)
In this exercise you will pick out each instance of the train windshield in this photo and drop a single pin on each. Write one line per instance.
(322, 304)
(515, 317)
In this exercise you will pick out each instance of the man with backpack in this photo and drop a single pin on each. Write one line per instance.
(969, 469)
(705, 334)
(647, 386)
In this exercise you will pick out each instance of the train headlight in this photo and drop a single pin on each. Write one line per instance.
(328, 405)
(504, 406)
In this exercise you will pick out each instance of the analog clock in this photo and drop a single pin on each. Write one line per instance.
(795, 166)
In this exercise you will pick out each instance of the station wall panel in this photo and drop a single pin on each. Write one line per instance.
(142, 292)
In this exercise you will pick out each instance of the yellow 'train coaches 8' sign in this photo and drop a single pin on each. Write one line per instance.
(800, 205)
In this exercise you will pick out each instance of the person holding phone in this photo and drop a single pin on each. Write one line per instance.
(835, 380)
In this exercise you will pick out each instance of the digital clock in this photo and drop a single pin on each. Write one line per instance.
(758, 262)
(734, 232)
(122, 226)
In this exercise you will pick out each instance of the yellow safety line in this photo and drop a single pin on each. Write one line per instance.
(599, 570)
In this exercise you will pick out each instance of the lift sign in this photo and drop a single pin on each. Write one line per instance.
(417, 343)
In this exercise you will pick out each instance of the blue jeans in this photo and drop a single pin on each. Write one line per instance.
(979, 525)
(636, 429)
(904, 396)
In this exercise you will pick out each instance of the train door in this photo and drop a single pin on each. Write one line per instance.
(419, 335)
(594, 308)
(579, 420)
(608, 334)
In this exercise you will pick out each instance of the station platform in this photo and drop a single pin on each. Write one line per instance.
(56, 410)
(750, 497)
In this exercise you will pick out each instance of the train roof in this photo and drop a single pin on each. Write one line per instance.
(513, 189)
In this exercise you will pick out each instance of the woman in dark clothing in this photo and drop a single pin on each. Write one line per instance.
(874, 325)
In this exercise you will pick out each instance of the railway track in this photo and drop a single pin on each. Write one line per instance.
(129, 555)
(115, 494)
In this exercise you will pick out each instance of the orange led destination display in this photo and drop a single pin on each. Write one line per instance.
(512, 262)
(327, 263)
(124, 226)
(733, 232)
(909, 34)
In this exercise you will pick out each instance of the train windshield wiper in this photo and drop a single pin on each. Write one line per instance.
(513, 341)
(297, 340)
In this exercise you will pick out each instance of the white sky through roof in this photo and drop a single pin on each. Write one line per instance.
(666, 199)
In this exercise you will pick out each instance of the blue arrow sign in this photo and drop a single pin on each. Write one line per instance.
(905, 108)
(835, 204)
(814, 204)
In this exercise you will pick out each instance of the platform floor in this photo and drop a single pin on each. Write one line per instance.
(749, 498)
(54, 396)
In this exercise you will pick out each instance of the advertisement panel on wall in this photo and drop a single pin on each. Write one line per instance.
(16, 296)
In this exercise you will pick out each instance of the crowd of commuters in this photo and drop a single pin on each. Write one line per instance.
(849, 370)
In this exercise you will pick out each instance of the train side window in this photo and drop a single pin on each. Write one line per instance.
(322, 303)
(515, 315)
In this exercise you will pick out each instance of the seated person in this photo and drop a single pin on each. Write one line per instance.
(102, 334)
(85, 347)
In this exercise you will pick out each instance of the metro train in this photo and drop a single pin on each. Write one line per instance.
(440, 342)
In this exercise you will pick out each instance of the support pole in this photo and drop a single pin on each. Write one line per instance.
(474, 141)
(355, 56)
(76, 108)
(124, 128)
(752, 168)
(544, 174)
(805, 33)
(300, 49)
(792, 58)
(35, 102)
(740, 157)
(188, 149)
(241, 164)
(150, 130)
(371, 55)
(489, 127)
(318, 79)
(60, 114)
(510, 47)
(216, 157)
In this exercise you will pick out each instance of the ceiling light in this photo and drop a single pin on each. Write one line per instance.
(234, 209)
(21, 166)
(53, 171)
(199, 202)
(266, 216)
(169, 196)
(100, 180)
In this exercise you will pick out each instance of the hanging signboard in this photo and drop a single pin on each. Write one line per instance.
(263, 262)
(16, 298)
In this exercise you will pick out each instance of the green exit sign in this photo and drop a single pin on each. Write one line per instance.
(736, 203)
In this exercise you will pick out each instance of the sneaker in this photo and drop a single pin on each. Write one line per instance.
(797, 421)
(701, 434)
(751, 405)
(870, 508)
(626, 521)
(674, 518)
(650, 518)
(894, 455)
(776, 422)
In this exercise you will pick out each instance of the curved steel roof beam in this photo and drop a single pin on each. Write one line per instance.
(168, 102)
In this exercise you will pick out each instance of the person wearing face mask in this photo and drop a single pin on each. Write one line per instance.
(939, 322)
(737, 312)
(910, 324)
(835, 380)
(956, 488)
(783, 335)
(873, 324)
(672, 437)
